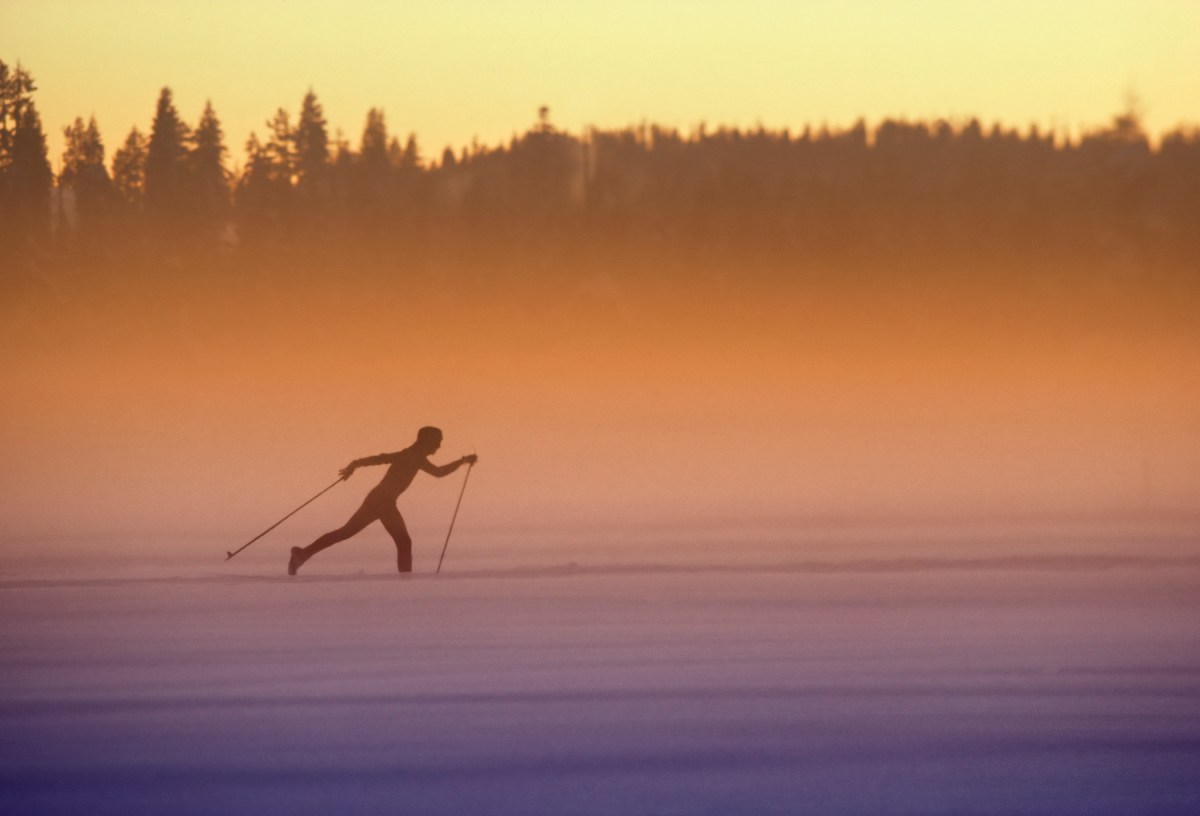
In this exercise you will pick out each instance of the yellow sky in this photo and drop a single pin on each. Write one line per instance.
(455, 70)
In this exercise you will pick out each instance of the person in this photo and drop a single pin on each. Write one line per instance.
(380, 503)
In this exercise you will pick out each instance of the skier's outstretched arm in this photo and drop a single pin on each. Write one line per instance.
(445, 470)
(381, 459)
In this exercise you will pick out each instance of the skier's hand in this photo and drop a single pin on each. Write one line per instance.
(470, 459)
(346, 472)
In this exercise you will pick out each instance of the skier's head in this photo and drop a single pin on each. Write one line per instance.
(429, 439)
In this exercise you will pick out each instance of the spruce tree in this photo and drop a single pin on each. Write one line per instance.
(25, 176)
(129, 169)
(252, 195)
(373, 151)
(372, 180)
(263, 190)
(167, 164)
(411, 159)
(208, 177)
(16, 91)
(84, 174)
(279, 147)
(29, 177)
(311, 142)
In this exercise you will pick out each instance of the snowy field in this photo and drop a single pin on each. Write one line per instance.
(1030, 684)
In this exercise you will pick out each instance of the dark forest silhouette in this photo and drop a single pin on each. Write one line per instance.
(940, 187)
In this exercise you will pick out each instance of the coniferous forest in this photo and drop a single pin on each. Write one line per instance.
(175, 191)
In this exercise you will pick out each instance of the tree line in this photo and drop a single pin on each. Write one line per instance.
(897, 185)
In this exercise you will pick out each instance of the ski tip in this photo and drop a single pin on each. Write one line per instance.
(228, 555)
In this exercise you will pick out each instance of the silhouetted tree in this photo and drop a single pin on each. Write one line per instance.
(16, 91)
(209, 188)
(129, 169)
(85, 178)
(279, 148)
(25, 176)
(541, 165)
(371, 179)
(311, 144)
(372, 150)
(167, 170)
(342, 170)
(29, 177)
(263, 192)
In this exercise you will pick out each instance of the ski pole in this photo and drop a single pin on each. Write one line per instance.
(229, 555)
(455, 516)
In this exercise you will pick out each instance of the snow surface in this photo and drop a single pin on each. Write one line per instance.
(1056, 685)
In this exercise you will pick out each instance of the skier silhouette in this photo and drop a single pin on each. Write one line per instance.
(380, 503)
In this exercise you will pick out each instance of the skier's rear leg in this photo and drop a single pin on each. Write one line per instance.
(361, 518)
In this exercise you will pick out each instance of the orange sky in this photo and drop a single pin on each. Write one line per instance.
(463, 69)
